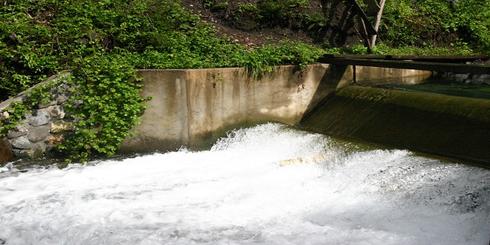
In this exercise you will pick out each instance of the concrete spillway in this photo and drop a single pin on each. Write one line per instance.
(195, 107)
(433, 123)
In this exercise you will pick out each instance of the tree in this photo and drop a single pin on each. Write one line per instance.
(344, 15)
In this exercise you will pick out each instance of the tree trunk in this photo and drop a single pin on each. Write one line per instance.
(377, 23)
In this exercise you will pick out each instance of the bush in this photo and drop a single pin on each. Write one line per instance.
(437, 23)
(105, 106)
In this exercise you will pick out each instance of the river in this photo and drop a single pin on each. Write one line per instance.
(268, 184)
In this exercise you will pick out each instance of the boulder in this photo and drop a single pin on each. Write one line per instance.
(4, 115)
(55, 139)
(41, 118)
(22, 153)
(61, 99)
(19, 130)
(44, 105)
(40, 133)
(38, 150)
(61, 126)
(21, 143)
(55, 111)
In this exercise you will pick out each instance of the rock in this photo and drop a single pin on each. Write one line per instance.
(7, 168)
(63, 87)
(40, 133)
(21, 143)
(56, 111)
(55, 139)
(4, 115)
(42, 118)
(60, 126)
(461, 77)
(6, 153)
(19, 130)
(37, 150)
(51, 103)
(21, 153)
(61, 99)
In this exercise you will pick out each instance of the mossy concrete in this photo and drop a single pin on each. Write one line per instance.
(433, 123)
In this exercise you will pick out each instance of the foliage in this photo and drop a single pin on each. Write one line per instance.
(32, 99)
(474, 19)
(280, 12)
(16, 113)
(383, 49)
(263, 59)
(257, 61)
(104, 107)
(425, 23)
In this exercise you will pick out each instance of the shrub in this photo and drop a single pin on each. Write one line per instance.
(105, 106)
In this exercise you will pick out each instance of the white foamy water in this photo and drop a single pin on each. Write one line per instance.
(264, 185)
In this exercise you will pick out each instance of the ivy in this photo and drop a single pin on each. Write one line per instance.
(14, 114)
(104, 107)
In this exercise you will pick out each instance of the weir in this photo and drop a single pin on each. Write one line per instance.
(270, 183)
(195, 107)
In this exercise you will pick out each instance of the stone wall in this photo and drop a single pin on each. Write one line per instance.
(42, 128)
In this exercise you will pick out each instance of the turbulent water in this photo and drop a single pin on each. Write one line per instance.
(263, 185)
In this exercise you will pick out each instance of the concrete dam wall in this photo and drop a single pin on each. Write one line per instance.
(194, 107)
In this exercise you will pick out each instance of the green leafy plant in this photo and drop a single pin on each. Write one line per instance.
(16, 113)
(104, 107)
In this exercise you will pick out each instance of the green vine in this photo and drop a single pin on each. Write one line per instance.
(15, 113)
(104, 108)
